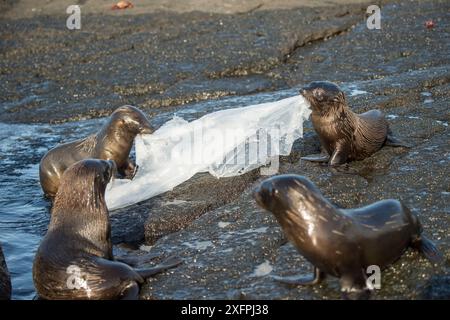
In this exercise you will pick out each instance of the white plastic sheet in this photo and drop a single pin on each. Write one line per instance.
(224, 143)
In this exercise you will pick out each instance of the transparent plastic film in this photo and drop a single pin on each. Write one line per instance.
(224, 143)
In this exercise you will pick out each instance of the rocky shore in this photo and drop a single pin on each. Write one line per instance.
(163, 61)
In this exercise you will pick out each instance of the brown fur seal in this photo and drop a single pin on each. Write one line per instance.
(112, 142)
(343, 134)
(75, 259)
(5, 280)
(341, 243)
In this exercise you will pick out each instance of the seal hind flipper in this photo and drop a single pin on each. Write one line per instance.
(136, 259)
(428, 249)
(171, 262)
(316, 157)
(393, 141)
(302, 280)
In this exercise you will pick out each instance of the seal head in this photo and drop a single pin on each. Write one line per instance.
(279, 194)
(132, 120)
(323, 96)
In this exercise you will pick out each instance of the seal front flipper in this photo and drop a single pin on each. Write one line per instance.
(323, 156)
(363, 294)
(136, 168)
(428, 249)
(354, 286)
(339, 156)
(167, 264)
(129, 170)
(130, 292)
(302, 279)
(316, 157)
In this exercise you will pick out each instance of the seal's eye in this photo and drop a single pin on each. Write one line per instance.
(339, 97)
(319, 94)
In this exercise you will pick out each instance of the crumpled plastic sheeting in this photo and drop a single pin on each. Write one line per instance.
(224, 143)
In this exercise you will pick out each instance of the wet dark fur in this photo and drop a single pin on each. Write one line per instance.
(343, 134)
(80, 234)
(342, 243)
(112, 142)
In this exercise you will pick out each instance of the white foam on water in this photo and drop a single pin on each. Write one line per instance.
(262, 270)
(145, 248)
(224, 143)
(174, 202)
(222, 224)
(257, 230)
(445, 124)
(356, 92)
(392, 116)
(198, 245)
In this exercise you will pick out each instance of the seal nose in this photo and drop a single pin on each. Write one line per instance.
(146, 129)
(263, 193)
(257, 195)
(305, 91)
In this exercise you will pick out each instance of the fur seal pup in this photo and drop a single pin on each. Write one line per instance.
(341, 243)
(344, 135)
(75, 259)
(112, 142)
(5, 280)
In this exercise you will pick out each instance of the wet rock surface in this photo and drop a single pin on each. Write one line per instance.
(192, 199)
(51, 74)
(438, 287)
(159, 61)
(173, 211)
(5, 280)
(230, 252)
